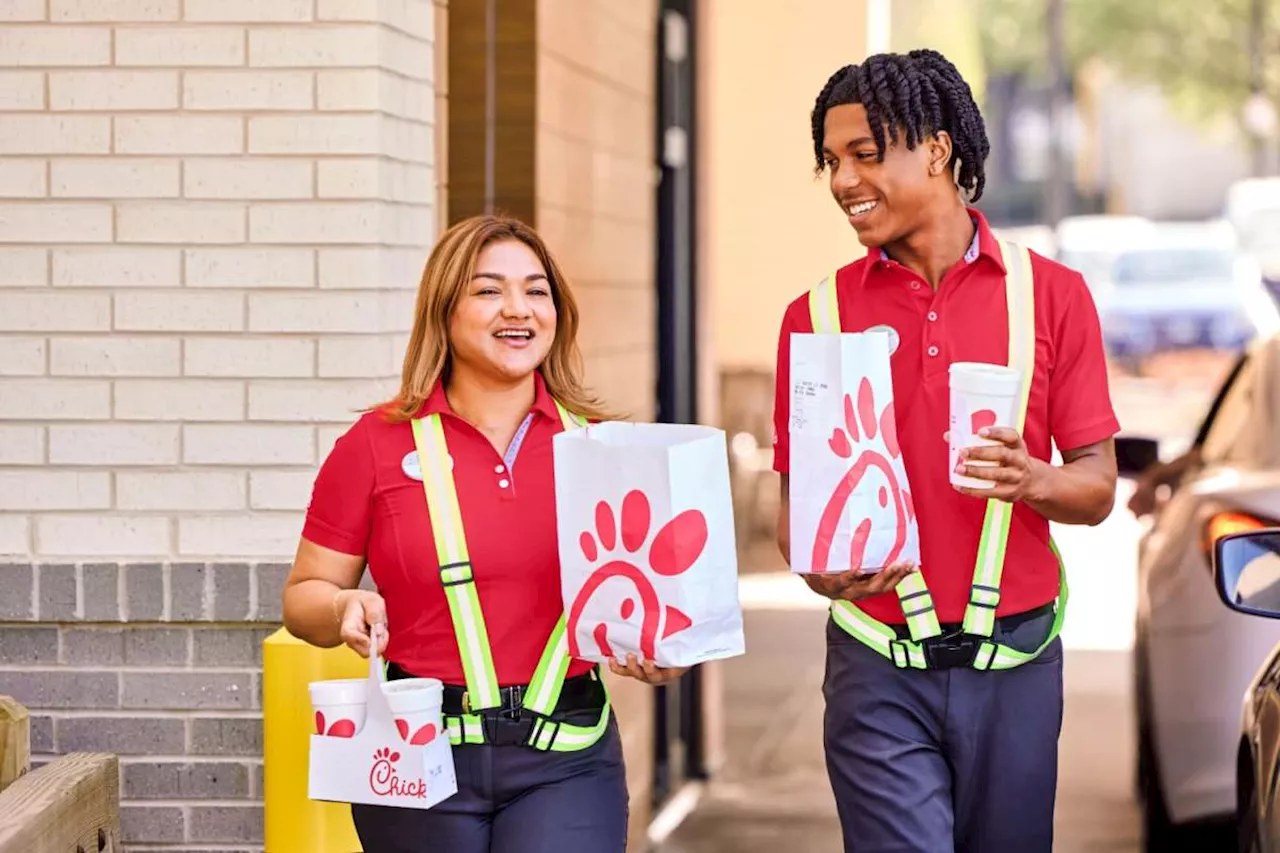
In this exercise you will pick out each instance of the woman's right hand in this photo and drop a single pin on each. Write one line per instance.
(359, 611)
(853, 585)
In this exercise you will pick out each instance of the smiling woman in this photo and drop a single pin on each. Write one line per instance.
(446, 493)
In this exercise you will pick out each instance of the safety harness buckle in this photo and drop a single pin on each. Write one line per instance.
(951, 650)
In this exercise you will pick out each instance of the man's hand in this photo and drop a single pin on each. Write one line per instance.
(1015, 473)
(648, 672)
(854, 584)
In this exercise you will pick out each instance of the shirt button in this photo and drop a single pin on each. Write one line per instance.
(498, 469)
(933, 351)
(933, 315)
(915, 285)
(502, 484)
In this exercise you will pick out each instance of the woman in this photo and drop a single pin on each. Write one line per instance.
(490, 376)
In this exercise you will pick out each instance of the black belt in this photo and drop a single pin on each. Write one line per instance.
(580, 693)
(955, 648)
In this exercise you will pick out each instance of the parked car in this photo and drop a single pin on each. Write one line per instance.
(1247, 571)
(1184, 286)
(1193, 659)
(1090, 243)
(1253, 209)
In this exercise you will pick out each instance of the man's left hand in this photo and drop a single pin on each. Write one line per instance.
(1014, 472)
(648, 671)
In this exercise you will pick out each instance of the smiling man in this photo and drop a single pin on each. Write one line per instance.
(941, 734)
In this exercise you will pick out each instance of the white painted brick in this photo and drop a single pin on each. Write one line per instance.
(113, 90)
(22, 179)
(179, 400)
(124, 178)
(55, 223)
(22, 356)
(54, 490)
(179, 222)
(24, 267)
(251, 268)
(327, 437)
(56, 312)
(22, 10)
(405, 55)
(21, 445)
(189, 311)
(315, 135)
(250, 357)
(55, 45)
(21, 90)
(239, 444)
(415, 17)
(350, 89)
(117, 267)
(382, 268)
(102, 536)
(179, 134)
(349, 178)
(349, 222)
(15, 535)
(114, 11)
(114, 444)
(50, 134)
(312, 312)
(411, 141)
(310, 47)
(311, 401)
(397, 310)
(408, 225)
(181, 491)
(115, 356)
(284, 490)
(358, 356)
(248, 90)
(181, 46)
(248, 10)
(55, 399)
(273, 535)
(248, 179)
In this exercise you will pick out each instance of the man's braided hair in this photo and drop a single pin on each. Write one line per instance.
(918, 94)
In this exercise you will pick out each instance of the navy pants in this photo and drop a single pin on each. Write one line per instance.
(515, 799)
(944, 760)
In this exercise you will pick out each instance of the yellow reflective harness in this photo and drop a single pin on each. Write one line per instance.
(974, 638)
(483, 694)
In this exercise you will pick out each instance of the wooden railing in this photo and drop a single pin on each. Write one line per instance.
(70, 805)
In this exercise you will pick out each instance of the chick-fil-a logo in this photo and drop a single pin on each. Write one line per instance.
(384, 782)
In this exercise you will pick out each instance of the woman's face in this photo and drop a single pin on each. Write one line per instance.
(505, 321)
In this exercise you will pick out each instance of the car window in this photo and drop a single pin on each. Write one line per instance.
(1173, 266)
(1223, 442)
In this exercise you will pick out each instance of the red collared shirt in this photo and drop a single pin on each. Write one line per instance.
(966, 320)
(364, 503)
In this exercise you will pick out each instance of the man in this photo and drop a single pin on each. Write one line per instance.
(944, 748)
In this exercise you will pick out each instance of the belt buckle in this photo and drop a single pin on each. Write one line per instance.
(952, 650)
(516, 695)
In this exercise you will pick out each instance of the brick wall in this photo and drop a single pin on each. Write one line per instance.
(213, 216)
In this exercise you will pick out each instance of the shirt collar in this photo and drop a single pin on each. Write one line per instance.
(984, 243)
(437, 403)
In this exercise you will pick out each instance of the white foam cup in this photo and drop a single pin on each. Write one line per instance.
(416, 705)
(337, 701)
(981, 395)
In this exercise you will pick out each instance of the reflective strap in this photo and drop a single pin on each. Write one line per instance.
(569, 419)
(994, 656)
(824, 308)
(455, 563)
(549, 735)
(1019, 288)
(548, 679)
(877, 636)
(917, 606)
(465, 729)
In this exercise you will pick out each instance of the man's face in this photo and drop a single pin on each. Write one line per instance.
(884, 201)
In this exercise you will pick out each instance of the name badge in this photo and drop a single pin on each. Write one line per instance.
(411, 466)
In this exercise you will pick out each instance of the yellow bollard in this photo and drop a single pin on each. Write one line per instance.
(293, 823)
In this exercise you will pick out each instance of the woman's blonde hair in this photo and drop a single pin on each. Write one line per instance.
(449, 269)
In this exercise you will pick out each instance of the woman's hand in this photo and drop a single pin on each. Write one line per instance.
(855, 584)
(361, 613)
(648, 672)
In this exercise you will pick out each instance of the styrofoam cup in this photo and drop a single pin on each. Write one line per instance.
(416, 705)
(981, 395)
(339, 705)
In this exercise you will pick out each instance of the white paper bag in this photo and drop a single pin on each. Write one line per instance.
(850, 500)
(648, 561)
(376, 765)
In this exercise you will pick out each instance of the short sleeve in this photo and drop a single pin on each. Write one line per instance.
(1080, 410)
(341, 509)
(791, 323)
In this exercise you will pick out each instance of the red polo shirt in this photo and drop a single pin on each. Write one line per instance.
(364, 503)
(966, 319)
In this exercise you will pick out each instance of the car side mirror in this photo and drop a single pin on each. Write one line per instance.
(1135, 454)
(1246, 571)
